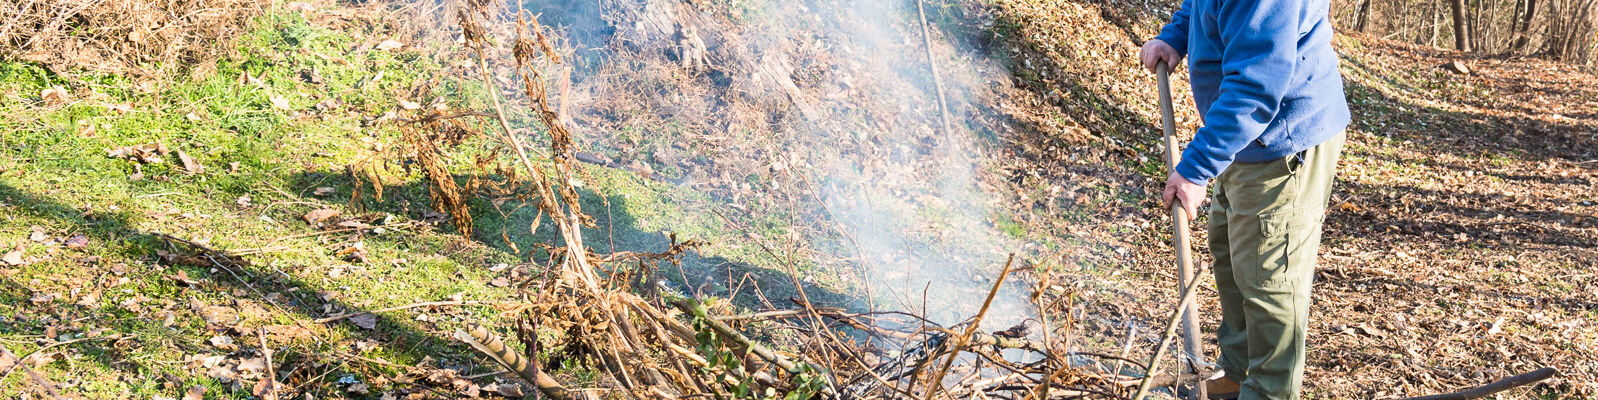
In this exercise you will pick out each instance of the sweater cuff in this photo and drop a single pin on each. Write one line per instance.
(1190, 169)
(1177, 41)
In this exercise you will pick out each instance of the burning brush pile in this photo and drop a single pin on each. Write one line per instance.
(646, 344)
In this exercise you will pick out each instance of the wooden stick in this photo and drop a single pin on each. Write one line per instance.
(410, 306)
(1191, 345)
(1165, 340)
(965, 338)
(270, 391)
(937, 80)
(489, 344)
(1494, 387)
(24, 358)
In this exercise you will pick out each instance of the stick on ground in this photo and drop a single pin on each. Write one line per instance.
(1495, 387)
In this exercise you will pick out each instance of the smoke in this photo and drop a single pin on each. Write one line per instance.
(839, 91)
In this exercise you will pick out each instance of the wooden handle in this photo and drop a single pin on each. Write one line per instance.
(1191, 342)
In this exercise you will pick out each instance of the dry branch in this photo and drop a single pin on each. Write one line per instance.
(1496, 386)
(1165, 340)
(489, 344)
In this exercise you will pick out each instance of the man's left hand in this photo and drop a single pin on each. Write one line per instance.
(1188, 193)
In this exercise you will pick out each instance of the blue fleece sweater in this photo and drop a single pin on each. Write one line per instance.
(1264, 77)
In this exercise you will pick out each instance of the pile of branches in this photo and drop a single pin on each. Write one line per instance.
(136, 37)
(609, 315)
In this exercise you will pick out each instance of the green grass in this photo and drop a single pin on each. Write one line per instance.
(262, 165)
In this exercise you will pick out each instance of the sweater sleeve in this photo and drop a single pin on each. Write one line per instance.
(1258, 56)
(1175, 33)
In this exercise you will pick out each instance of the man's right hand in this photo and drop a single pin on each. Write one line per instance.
(1156, 51)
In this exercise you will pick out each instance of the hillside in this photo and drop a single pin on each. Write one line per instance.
(164, 227)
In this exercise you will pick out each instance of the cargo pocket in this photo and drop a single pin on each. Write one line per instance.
(1282, 234)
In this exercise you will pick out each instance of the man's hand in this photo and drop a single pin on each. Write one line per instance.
(1156, 51)
(1190, 194)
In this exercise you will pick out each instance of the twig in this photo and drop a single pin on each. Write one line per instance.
(30, 354)
(964, 339)
(49, 387)
(937, 80)
(270, 392)
(410, 306)
(156, 195)
(1131, 335)
(1165, 340)
(1495, 387)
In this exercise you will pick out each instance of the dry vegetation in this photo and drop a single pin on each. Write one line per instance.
(142, 39)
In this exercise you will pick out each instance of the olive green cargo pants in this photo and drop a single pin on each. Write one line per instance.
(1265, 228)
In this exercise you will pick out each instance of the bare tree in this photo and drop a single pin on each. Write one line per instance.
(1461, 33)
(1523, 25)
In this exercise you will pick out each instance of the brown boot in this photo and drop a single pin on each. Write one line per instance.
(1222, 388)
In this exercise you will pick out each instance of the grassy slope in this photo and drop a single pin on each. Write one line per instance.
(263, 164)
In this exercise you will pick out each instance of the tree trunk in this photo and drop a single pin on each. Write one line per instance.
(1437, 21)
(1364, 15)
(1521, 38)
(1461, 35)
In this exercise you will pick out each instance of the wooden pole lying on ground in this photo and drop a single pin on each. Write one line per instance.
(1191, 346)
(1495, 387)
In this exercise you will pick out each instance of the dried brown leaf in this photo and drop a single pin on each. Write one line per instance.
(365, 321)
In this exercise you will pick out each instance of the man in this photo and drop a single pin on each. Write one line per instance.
(1265, 79)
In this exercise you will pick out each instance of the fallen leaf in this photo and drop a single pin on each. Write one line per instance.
(356, 252)
(323, 191)
(182, 278)
(37, 235)
(266, 388)
(53, 96)
(359, 388)
(1347, 206)
(14, 257)
(242, 201)
(317, 216)
(500, 282)
(7, 360)
(252, 365)
(280, 103)
(190, 167)
(196, 392)
(511, 390)
(365, 321)
(120, 108)
(410, 105)
(311, 76)
(389, 44)
(148, 153)
(77, 242)
(90, 299)
(219, 315)
(245, 77)
(86, 129)
(192, 117)
(222, 342)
